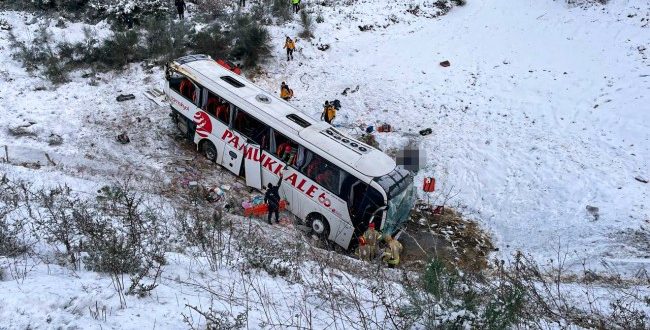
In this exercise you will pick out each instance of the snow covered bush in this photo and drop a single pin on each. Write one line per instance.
(307, 22)
(251, 41)
(130, 12)
(210, 41)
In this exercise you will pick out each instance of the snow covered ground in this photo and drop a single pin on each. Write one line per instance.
(543, 111)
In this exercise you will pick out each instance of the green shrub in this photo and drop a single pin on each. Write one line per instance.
(281, 10)
(307, 24)
(164, 40)
(251, 41)
(210, 41)
(120, 50)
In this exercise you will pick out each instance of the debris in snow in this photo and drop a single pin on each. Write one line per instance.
(640, 179)
(55, 140)
(425, 131)
(22, 130)
(125, 97)
(348, 90)
(593, 211)
(323, 47)
(123, 138)
(384, 128)
(445, 64)
(366, 27)
(4, 25)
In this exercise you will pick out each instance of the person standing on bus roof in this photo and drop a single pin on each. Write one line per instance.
(285, 92)
(371, 236)
(180, 7)
(290, 46)
(329, 112)
(272, 199)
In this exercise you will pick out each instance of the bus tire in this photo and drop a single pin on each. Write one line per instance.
(319, 226)
(209, 151)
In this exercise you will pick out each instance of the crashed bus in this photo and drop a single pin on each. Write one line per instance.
(337, 184)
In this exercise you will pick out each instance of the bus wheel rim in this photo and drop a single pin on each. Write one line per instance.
(318, 226)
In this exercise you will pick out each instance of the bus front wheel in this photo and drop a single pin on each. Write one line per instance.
(209, 151)
(319, 226)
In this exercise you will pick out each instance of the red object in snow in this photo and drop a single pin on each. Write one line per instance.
(429, 184)
(262, 209)
(439, 209)
(385, 128)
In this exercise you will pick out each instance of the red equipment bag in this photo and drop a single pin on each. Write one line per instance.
(429, 184)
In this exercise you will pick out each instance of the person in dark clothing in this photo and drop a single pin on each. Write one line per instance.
(242, 3)
(180, 6)
(272, 199)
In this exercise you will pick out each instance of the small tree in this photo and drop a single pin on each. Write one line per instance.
(251, 41)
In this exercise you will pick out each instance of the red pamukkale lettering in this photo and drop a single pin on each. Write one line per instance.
(226, 134)
(292, 178)
(310, 192)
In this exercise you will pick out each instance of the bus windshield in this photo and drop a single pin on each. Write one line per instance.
(398, 185)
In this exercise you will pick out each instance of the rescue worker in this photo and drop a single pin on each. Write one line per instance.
(296, 5)
(285, 92)
(290, 46)
(363, 251)
(392, 251)
(272, 199)
(329, 112)
(180, 7)
(372, 236)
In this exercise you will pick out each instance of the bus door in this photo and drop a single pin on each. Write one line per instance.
(252, 166)
(232, 153)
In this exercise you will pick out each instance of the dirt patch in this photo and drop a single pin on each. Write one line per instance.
(446, 235)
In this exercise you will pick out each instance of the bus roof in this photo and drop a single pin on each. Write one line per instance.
(359, 156)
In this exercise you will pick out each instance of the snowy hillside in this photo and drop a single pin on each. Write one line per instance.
(542, 116)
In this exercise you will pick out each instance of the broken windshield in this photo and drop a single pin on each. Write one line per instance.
(398, 185)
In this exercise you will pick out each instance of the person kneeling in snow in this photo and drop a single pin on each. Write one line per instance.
(392, 251)
(329, 112)
(285, 92)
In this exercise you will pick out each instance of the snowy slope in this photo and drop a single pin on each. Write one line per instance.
(543, 111)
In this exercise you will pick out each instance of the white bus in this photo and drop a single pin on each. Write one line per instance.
(335, 183)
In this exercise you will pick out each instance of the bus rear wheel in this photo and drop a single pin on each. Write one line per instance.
(319, 226)
(209, 151)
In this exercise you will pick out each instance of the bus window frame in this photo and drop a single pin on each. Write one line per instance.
(197, 87)
(248, 138)
(204, 107)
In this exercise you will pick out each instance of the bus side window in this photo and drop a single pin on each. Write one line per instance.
(218, 108)
(185, 87)
(286, 149)
(252, 128)
(323, 172)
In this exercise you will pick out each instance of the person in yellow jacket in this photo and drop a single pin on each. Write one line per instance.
(363, 251)
(329, 112)
(371, 237)
(392, 251)
(285, 92)
(290, 45)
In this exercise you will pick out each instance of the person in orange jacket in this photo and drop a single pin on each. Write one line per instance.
(290, 45)
(329, 112)
(285, 92)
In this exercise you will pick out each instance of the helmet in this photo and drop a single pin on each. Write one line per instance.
(371, 225)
